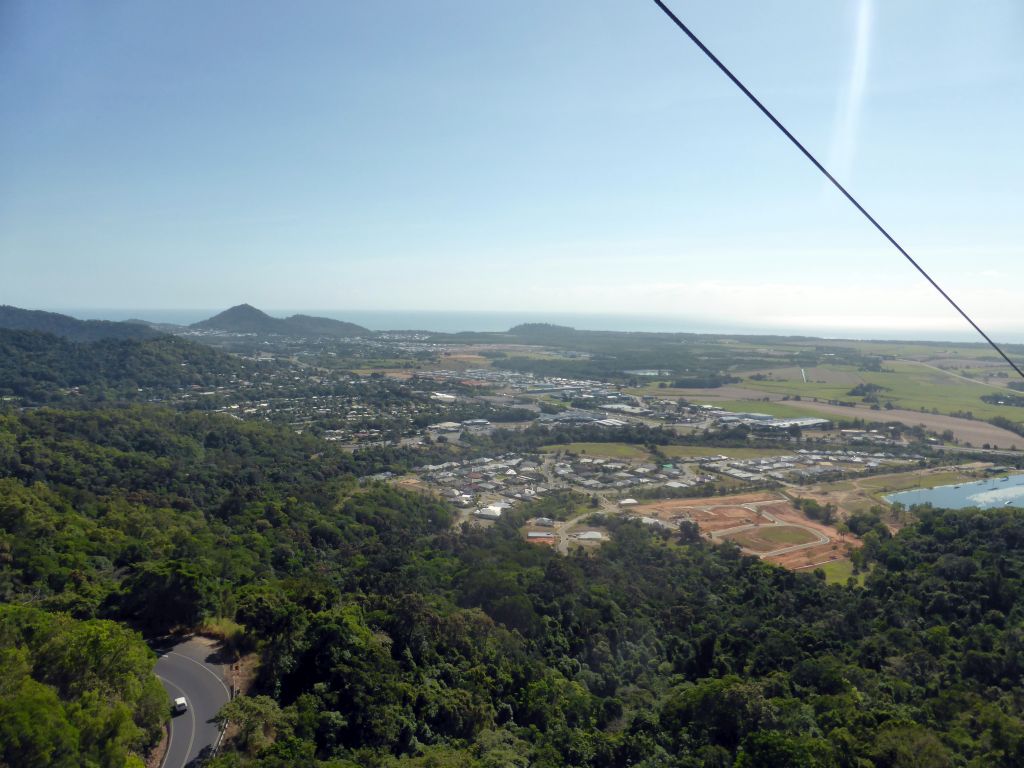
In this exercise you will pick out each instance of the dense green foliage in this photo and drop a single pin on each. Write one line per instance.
(41, 368)
(658, 654)
(102, 510)
(75, 693)
(389, 638)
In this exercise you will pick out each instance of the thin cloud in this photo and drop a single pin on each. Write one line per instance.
(844, 140)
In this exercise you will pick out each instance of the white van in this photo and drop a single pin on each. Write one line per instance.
(180, 705)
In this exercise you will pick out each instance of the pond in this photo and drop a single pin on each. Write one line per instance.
(984, 494)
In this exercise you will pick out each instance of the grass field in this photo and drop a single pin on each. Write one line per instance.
(903, 482)
(908, 385)
(838, 571)
(601, 450)
(823, 382)
(770, 537)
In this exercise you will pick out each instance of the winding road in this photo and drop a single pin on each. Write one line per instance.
(189, 668)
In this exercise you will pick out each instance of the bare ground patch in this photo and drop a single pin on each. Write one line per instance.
(716, 515)
(674, 505)
(812, 556)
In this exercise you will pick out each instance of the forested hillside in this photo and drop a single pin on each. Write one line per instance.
(389, 638)
(41, 367)
(71, 328)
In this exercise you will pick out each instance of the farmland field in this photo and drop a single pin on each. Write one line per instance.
(909, 385)
(787, 410)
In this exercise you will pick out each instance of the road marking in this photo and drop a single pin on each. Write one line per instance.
(203, 666)
(192, 736)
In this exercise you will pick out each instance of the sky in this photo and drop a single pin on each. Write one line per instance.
(539, 156)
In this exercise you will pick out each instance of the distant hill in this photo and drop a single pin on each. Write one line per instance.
(241, 319)
(324, 326)
(245, 318)
(41, 367)
(67, 327)
(161, 327)
(543, 332)
(526, 328)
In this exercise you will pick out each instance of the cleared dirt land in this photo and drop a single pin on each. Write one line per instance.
(711, 514)
(760, 523)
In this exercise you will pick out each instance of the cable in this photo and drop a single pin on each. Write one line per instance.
(767, 113)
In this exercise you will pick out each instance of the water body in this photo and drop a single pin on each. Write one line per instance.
(984, 494)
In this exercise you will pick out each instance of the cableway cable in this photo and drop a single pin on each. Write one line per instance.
(814, 161)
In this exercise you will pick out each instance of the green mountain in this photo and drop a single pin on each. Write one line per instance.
(245, 318)
(42, 367)
(68, 327)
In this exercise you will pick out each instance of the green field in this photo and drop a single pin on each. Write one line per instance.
(907, 385)
(888, 483)
(838, 571)
(602, 450)
(900, 481)
(770, 537)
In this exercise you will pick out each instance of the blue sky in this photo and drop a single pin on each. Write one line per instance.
(531, 155)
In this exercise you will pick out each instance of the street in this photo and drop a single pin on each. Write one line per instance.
(186, 668)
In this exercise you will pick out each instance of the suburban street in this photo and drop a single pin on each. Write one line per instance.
(186, 669)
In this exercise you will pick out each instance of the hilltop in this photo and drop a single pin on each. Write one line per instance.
(73, 329)
(246, 318)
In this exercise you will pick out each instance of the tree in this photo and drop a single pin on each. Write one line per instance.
(259, 720)
(168, 594)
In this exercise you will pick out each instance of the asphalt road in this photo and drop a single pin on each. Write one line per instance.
(187, 669)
